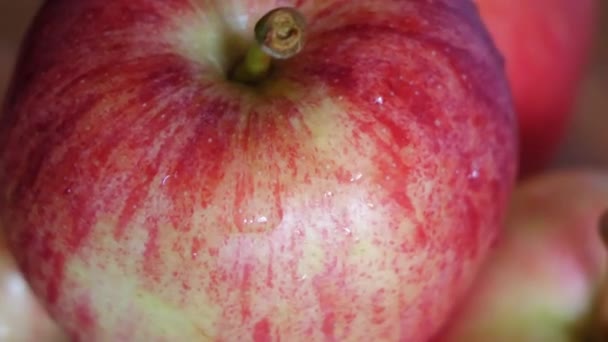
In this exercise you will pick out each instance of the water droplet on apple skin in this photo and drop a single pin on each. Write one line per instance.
(474, 174)
(257, 223)
(356, 177)
(258, 208)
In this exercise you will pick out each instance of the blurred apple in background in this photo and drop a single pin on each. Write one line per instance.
(546, 45)
(22, 319)
(542, 280)
(348, 196)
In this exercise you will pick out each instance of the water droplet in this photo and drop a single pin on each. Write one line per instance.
(474, 174)
(379, 100)
(165, 179)
(347, 231)
(328, 194)
(356, 177)
(258, 212)
(261, 219)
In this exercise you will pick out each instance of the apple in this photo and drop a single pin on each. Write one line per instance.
(22, 318)
(166, 178)
(541, 282)
(546, 45)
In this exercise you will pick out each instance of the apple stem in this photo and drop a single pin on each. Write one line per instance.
(279, 34)
(599, 314)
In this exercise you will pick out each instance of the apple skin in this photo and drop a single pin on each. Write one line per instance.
(22, 318)
(350, 197)
(546, 45)
(539, 283)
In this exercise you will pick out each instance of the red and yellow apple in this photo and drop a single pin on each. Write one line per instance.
(541, 282)
(350, 194)
(22, 319)
(546, 44)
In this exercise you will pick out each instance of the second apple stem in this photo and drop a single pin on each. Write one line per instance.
(597, 329)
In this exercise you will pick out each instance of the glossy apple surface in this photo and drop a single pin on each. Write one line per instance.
(540, 283)
(546, 44)
(349, 197)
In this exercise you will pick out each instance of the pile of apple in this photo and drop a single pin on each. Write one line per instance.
(263, 170)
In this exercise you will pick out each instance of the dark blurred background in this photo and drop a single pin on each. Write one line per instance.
(586, 144)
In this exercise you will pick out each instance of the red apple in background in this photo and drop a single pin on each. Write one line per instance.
(22, 319)
(546, 44)
(540, 283)
(349, 194)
